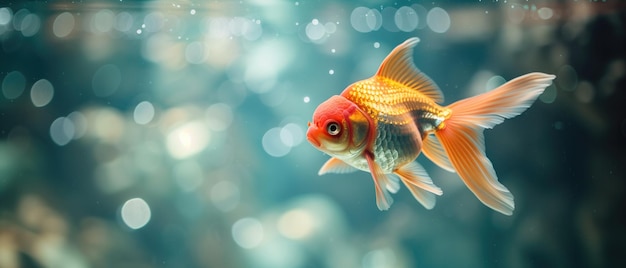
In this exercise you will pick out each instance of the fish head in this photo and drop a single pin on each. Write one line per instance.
(339, 128)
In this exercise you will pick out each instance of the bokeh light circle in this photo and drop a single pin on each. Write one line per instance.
(225, 195)
(545, 13)
(135, 213)
(494, 82)
(438, 20)
(196, 53)
(188, 139)
(144, 112)
(62, 131)
(358, 19)
(406, 19)
(373, 19)
(219, 116)
(5, 15)
(273, 144)
(30, 25)
(13, 85)
(103, 21)
(248, 233)
(41, 93)
(123, 21)
(63, 24)
(315, 30)
(106, 80)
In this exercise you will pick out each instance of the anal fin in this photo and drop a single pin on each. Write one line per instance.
(435, 152)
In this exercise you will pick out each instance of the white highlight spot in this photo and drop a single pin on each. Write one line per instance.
(135, 213)
(306, 99)
(296, 224)
(188, 139)
(247, 233)
(438, 20)
(331, 71)
(144, 112)
(376, 45)
(41, 93)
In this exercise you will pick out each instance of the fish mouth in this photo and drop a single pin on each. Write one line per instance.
(312, 139)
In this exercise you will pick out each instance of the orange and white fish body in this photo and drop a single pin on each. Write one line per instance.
(381, 124)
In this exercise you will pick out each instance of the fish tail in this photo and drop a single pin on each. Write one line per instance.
(461, 135)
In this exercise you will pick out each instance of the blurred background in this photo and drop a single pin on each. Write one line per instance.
(171, 134)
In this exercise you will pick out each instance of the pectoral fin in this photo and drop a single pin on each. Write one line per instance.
(334, 165)
(381, 183)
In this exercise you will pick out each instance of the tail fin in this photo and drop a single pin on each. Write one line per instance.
(462, 135)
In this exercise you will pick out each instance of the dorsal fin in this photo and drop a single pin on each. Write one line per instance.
(398, 66)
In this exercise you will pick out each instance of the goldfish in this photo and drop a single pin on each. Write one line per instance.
(381, 124)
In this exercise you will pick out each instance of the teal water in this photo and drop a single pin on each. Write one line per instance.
(172, 134)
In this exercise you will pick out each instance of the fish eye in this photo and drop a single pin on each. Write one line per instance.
(333, 128)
